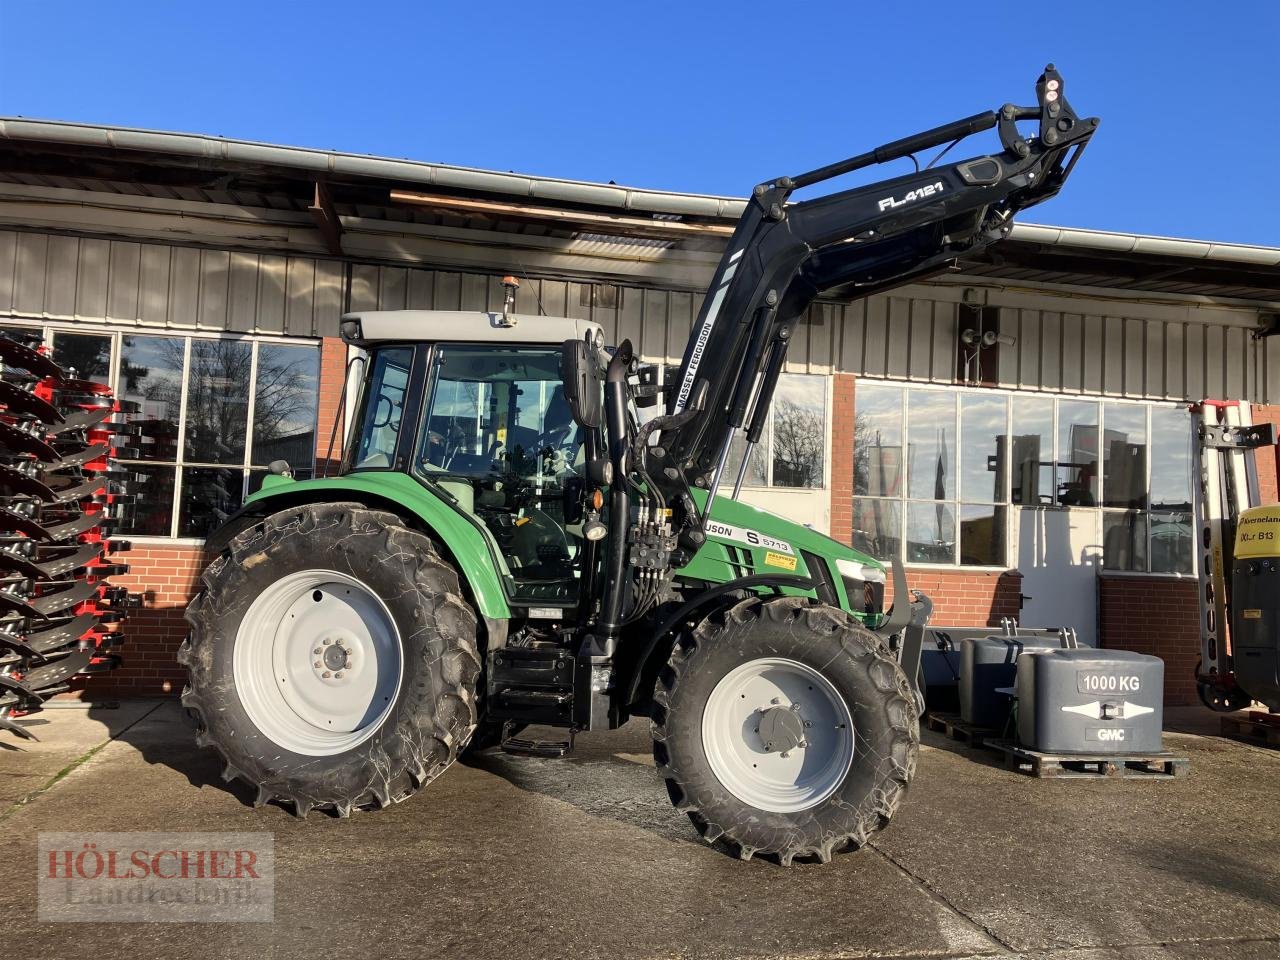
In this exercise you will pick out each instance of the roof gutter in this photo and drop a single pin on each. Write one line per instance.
(1131, 243)
(334, 164)
(331, 163)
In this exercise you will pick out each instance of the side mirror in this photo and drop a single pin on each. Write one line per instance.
(580, 372)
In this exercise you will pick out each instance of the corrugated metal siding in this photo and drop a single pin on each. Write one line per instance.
(120, 282)
(1130, 356)
(1089, 346)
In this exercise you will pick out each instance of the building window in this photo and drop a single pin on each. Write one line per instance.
(792, 449)
(948, 447)
(936, 473)
(213, 413)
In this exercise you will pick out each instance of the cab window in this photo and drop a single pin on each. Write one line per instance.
(382, 408)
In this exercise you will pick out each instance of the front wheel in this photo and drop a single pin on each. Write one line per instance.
(332, 659)
(785, 728)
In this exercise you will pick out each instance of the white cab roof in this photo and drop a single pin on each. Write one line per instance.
(464, 326)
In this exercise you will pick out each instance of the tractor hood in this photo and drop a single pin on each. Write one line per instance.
(739, 524)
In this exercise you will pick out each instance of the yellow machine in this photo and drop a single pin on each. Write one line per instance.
(1255, 604)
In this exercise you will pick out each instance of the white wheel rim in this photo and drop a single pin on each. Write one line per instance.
(777, 780)
(317, 704)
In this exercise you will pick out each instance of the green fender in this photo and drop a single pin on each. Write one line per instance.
(401, 494)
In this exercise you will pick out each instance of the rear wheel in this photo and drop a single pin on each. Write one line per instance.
(785, 728)
(332, 659)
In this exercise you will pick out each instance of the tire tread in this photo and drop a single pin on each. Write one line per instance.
(447, 730)
(868, 651)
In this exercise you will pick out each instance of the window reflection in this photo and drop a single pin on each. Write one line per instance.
(982, 535)
(151, 377)
(799, 431)
(209, 496)
(150, 513)
(1172, 542)
(1077, 467)
(187, 489)
(983, 422)
(1124, 540)
(877, 443)
(1171, 464)
(1033, 451)
(792, 448)
(931, 445)
(1120, 459)
(384, 399)
(258, 474)
(218, 400)
(86, 355)
(931, 533)
(757, 470)
(1124, 456)
(287, 389)
(877, 528)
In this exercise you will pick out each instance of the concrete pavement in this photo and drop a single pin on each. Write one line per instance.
(517, 857)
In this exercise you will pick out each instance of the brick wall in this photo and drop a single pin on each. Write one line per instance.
(1269, 457)
(333, 366)
(1158, 616)
(166, 577)
(842, 426)
(963, 598)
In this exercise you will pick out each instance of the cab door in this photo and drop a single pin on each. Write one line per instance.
(498, 435)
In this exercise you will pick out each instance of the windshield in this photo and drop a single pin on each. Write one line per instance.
(499, 412)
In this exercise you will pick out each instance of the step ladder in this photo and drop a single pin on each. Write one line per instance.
(1227, 471)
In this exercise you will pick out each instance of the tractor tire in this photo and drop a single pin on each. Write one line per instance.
(785, 728)
(332, 659)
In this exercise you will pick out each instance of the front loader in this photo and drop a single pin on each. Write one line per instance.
(511, 546)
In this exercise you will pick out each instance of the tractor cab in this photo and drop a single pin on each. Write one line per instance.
(475, 408)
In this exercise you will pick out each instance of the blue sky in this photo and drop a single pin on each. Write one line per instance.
(705, 97)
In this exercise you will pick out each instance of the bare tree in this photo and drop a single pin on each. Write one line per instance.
(218, 388)
(798, 442)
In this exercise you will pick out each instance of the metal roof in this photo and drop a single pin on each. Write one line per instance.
(225, 170)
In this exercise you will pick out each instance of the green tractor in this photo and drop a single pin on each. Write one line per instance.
(532, 530)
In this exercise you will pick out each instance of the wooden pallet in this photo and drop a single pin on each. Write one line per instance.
(1161, 765)
(957, 729)
(1261, 729)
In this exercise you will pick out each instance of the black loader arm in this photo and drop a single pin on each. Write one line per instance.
(857, 242)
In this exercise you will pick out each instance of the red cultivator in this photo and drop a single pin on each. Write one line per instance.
(60, 494)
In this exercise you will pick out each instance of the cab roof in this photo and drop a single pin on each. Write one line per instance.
(463, 326)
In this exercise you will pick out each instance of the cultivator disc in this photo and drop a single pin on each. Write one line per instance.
(61, 493)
